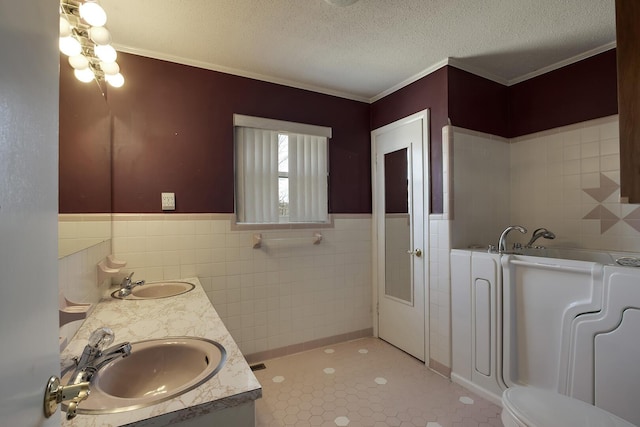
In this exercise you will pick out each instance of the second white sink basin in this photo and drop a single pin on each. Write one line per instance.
(156, 370)
(155, 290)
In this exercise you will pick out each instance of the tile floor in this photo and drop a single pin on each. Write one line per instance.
(365, 382)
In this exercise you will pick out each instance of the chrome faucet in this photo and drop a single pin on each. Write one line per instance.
(127, 285)
(95, 356)
(540, 232)
(502, 243)
(92, 359)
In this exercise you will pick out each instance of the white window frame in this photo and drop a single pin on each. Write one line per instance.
(284, 127)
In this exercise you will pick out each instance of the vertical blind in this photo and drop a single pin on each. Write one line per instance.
(307, 178)
(257, 177)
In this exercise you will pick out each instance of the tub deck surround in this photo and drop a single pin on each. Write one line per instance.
(189, 314)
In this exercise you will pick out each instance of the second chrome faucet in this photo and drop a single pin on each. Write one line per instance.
(127, 285)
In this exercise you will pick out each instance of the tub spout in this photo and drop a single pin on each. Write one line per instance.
(502, 243)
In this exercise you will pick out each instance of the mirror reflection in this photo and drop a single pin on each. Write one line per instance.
(397, 226)
(84, 198)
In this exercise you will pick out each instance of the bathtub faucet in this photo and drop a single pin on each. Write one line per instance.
(538, 233)
(502, 243)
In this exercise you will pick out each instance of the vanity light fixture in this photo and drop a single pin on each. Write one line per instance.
(87, 42)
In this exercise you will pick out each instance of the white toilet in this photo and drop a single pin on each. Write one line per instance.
(534, 407)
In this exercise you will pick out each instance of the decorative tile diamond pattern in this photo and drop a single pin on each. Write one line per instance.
(410, 395)
(606, 189)
(607, 218)
(633, 219)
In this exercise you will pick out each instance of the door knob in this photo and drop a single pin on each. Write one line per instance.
(55, 393)
(417, 252)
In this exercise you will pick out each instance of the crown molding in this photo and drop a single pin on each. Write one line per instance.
(462, 65)
(237, 72)
(480, 72)
(454, 62)
(563, 63)
(412, 79)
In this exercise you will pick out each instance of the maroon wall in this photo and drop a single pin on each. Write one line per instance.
(578, 92)
(84, 176)
(428, 92)
(173, 132)
(173, 128)
(477, 103)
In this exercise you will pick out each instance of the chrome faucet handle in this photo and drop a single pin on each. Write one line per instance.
(126, 282)
(101, 338)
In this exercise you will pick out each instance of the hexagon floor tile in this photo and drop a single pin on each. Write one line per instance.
(354, 394)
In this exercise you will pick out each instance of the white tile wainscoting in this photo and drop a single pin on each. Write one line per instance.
(568, 180)
(77, 232)
(286, 293)
(78, 281)
(565, 179)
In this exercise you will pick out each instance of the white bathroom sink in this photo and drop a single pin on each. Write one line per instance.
(156, 290)
(156, 371)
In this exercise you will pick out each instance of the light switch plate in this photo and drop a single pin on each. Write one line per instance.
(168, 201)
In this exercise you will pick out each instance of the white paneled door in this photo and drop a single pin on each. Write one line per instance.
(401, 249)
(28, 209)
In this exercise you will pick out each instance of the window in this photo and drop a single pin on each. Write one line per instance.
(281, 171)
(283, 176)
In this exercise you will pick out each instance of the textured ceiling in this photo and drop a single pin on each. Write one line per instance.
(364, 50)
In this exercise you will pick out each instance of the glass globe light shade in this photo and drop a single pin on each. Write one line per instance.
(116, 80)
(79, 62)
(100, 35)
(110, 68)
(93, 13)
(85, 75)
(65, 27)
(70, 46)
(106, 53)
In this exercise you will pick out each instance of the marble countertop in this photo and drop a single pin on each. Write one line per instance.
(189, 314)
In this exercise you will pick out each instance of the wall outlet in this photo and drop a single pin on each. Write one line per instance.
(168, 201)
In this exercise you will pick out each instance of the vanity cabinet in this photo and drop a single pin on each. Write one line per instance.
(628, 62)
